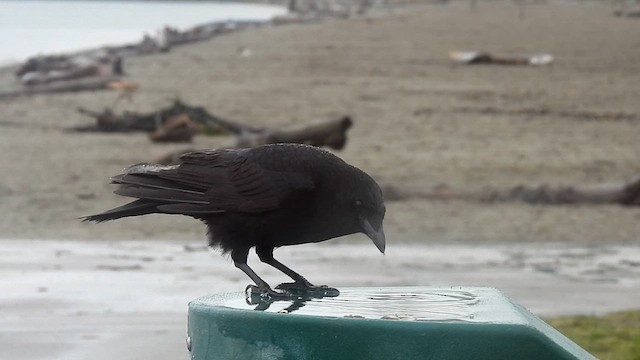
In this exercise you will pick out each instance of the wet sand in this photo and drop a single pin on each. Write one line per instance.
(121, 299)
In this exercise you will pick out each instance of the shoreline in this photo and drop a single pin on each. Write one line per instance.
(179, 24)
(335, 9)
(97, 59)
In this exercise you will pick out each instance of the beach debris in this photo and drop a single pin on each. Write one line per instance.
(477, 57)
(621, 193)
(181, 122)
(626, 193)
(64, 73)
(108, 121)
(125, 89)
(76, 85)
(48, 69)
(329, 133)
(627, 13)
(306, 11)
(178, 128)
(582, 115)
(169, 36)
(244, 52)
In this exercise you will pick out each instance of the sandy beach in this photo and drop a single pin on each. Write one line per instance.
(419, 122)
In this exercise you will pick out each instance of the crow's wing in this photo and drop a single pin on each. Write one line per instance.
(212, 181)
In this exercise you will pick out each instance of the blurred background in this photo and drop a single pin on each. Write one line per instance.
(504, 135)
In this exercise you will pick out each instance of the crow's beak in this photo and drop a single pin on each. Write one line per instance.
(377, 236)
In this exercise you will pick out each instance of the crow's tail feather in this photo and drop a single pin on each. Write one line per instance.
(134, 208)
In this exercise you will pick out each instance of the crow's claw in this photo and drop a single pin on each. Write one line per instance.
(254, 294)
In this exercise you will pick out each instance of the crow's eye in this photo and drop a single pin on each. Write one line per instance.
(358, 202)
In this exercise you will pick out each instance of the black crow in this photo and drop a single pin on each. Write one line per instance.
(262, 197)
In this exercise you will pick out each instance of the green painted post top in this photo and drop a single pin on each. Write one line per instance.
(387, 323)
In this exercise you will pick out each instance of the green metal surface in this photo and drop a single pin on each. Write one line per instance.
(375, 323)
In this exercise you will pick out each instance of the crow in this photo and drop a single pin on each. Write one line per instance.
(263, 197)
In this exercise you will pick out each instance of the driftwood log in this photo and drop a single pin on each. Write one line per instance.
(627, 193)
(479, 57)
(180, 122)
(50, 69)
(76, 85)
(627, 13)
(177, 128)
(63, 73)
(108, 121)
(584, 115)
(332, 134)
(622, 193)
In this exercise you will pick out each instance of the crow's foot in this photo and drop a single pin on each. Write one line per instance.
(307, 289)
(266, 294)
(264, 297)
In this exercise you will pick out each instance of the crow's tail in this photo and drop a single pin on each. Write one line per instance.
(134, 208)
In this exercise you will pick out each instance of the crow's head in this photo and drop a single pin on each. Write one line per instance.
(367, 204)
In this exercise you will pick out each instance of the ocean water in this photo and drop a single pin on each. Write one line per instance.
(31, 27)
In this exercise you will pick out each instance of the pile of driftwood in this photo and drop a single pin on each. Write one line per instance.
(181, 122)
(625, 193)
(67, 73)
(48, 69)
(166, 118)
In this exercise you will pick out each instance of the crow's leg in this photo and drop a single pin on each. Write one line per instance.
(240, 261)
(300, 283)
(266, 256)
